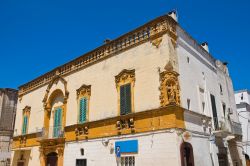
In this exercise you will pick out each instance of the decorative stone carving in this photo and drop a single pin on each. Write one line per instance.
(169, 88)
(26, 110)
(125, 76)
(125, 124)
(84, 90)
(55, 80)
(156, 42)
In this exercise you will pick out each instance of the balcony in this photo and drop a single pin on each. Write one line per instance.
(53, 132)
(226, 127)
(222, 127)
(236, 128)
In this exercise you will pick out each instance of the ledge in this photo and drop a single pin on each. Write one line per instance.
(148, 32)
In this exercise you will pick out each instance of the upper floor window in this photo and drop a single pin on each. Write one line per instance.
(125, 99)
(125, 82)
(26, 115)
(83, 110)
(57, 122)
(221, 90)
(83, 97)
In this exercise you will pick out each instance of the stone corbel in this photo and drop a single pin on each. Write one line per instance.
(156, 42)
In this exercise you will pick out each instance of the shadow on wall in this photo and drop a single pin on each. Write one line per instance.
(233, 150)
(21, 158)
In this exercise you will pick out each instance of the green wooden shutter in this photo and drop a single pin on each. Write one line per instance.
(125, 99)
(128, 98)
(83, 110)
(57, 122)
(122, 100)
(25, 122)
(59, 114)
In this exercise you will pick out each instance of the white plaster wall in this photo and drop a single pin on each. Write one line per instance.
(156, 149)
(201, 72)
(34, 100)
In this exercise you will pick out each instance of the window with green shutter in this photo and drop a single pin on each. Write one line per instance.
(25, 124)
(125, 99)
(83, 110)
(57, 122)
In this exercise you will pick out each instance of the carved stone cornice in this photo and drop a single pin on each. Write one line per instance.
(151, 31)
(84, 90)
(55, 80)
(26, 110)
(169, 86)
(125, 76)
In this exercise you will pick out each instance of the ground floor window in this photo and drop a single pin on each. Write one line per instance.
(81, 162)
(128, 161)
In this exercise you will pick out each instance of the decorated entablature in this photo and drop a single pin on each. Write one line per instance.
(152, 32)
(169, 87)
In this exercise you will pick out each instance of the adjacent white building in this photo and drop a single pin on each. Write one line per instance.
(242, 98)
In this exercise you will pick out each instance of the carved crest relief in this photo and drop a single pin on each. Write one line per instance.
(169, 87)
(84, 90)
(125, 76)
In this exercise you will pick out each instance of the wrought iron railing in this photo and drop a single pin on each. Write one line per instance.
(51, 132)
(223, 124)
(236, 128)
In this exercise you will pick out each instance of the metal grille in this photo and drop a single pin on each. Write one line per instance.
(128, 161)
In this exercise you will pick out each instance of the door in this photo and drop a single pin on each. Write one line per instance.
(52, 159)
(20, 163)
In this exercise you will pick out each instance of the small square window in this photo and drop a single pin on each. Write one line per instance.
(81, 162)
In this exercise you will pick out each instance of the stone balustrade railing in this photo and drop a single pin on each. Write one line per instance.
(148, 32)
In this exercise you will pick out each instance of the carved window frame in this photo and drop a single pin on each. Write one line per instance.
(123, 78)
(26, 113)
(83, 92)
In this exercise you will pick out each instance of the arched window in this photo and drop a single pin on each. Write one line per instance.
(187, 156)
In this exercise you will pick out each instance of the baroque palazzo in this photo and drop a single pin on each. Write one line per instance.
(153, 96)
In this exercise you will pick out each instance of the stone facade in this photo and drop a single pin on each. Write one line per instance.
(8, 101)
(169, 113)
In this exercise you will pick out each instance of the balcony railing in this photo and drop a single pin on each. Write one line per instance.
(221, 125)
(227, 126)
(51, 132)
(236, 128)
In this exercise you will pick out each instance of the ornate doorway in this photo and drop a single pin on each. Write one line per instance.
(187, 156)
(52, 159)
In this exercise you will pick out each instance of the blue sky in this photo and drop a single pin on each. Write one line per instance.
(38, 35)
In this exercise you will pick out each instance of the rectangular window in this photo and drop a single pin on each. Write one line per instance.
(81, 162)
(128, 161)
(125, 99)
(25, 124)
(188, 104)
(83, 110)
(215, 117)
(57, 122)
(224, 109)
